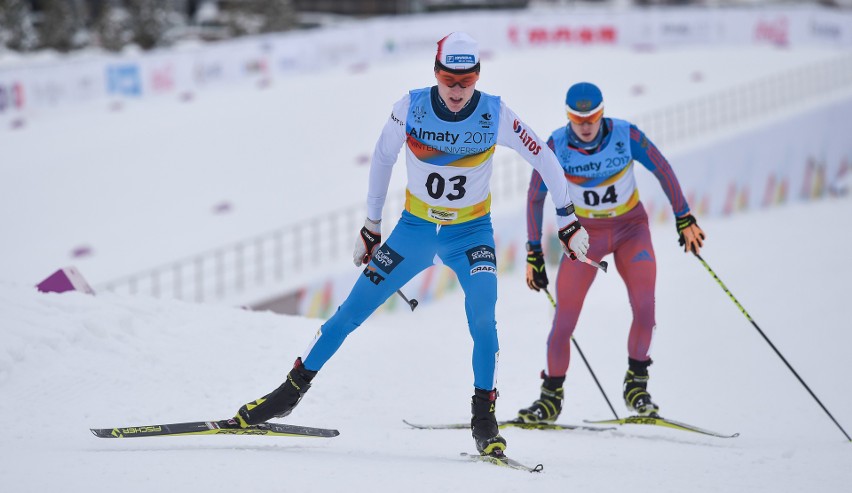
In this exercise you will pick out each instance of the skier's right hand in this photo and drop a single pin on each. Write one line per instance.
(536, 272)
(575, 241)
(368, 241)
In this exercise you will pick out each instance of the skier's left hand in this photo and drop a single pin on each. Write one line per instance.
(368, 241)
(575, 241)
(536, 270)
(690, 236)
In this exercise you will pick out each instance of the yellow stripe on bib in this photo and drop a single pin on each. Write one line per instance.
(474, 160)
(445, 215)
(615, 211)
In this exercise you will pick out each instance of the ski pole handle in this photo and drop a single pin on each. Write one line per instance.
(602, 265)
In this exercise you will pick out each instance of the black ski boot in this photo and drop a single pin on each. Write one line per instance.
(636, 394)
(483, 424)
(281, 401)
(548, 406)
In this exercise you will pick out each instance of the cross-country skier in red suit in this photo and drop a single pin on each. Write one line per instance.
(597, 155)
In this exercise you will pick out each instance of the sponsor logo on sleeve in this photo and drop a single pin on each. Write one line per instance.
(528, 141)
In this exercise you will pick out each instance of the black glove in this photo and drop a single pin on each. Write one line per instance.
(536, 272)
(690, 236)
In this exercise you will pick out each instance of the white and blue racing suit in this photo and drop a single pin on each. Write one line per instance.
(449, 160)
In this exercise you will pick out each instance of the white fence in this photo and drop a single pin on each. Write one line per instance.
(756, 99)
(279, 260)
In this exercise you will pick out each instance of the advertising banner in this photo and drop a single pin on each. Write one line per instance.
(35, 89)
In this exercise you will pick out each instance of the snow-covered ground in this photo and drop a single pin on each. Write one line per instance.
(139, 187)
(69, 362)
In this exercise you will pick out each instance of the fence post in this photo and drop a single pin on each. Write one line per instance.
(155, 283)
(278, 254)
(199, 279)
(220, 274)
(297, 248)
(239, 267)
(177, 285)
(258, 260)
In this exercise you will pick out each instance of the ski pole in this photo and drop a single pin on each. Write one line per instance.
(577, 345)
(412, 302)
(748, 317)
(602, 265)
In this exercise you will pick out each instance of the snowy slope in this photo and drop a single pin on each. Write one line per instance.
(69, 362)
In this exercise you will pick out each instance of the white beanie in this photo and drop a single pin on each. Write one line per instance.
(458, 52)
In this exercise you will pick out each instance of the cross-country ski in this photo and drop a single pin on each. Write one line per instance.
(660, 421)
(213, 428)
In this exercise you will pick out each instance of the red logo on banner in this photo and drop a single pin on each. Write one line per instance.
(255, 66)
(162, 79)
(539, 35)
(775, 31)
(11, 96)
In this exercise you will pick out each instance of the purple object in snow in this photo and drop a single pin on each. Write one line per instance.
(81, 251)
(66, 279)
(223, 207)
